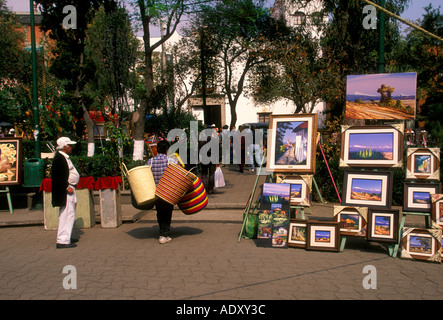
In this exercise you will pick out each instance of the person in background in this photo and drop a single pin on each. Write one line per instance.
(164, 209)
(64, 180)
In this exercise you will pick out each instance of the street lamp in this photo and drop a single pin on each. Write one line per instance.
(34, 83)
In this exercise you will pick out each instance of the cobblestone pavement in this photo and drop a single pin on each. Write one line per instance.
(204, 261)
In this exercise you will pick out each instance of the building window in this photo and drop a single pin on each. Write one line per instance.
(299, 18)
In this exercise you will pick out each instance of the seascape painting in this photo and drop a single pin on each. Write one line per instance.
(371, 146)
(387, 96)
(421, 197)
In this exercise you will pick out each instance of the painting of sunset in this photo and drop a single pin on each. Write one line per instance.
(371, 146)
(421, 197)
(276, 193)
(322, 236)
(366, 189)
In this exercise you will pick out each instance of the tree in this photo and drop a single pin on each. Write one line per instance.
(237, 32)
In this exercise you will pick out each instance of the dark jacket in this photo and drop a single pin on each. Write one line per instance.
(59, 175)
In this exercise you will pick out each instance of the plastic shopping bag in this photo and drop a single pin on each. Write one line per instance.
(219, 179)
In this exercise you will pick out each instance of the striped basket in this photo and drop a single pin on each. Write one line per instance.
(195, 200)
(174, 184)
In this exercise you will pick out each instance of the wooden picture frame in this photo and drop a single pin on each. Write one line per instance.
(372, 146)
(383, 225)
(352, 220)
(301, 188)
(421, 244)
(11, 161)
(423, 163)
(437, 209)
(417, 196)
(292, 143)
(323, 236)
(297, 233)
(372, 189)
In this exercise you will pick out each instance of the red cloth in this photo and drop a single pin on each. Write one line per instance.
(108, 183)
(83, 183)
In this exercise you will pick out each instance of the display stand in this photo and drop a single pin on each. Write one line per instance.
(8, 196)
(426, 215)
(299, 211)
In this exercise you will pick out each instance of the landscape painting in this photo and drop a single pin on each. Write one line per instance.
(291, 143)
(423, 163)
(372, 146)
(275, 193)
(349, 221)
(381, 96)
(297, 234)
(421, 244)
(417, 197)
(383, 225)
(370, 189)
(323, 235)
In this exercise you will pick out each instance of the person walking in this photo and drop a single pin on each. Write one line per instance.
(64, 178)
(164, 209)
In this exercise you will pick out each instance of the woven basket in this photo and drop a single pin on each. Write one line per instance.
(174, 183)
(195, 200)
(142, 184)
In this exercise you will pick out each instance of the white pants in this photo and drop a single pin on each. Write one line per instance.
(66, 218)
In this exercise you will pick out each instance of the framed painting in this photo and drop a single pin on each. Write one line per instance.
(352, 220)
(437, 209)
(292, 143)
(423, 163)
(372, 146)
(417, 196)
(275, 193)
(297, 233)
(383, 225)
(300, 188)
(372, 189)
(421, 244)
(280, 227)
(386, 96)
(323, 235)
(11, 161)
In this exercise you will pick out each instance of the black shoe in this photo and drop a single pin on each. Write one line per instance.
(68, 245)
(74, 240)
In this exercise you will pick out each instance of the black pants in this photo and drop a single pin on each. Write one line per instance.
(164, 216)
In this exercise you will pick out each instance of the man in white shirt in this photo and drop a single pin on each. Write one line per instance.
(64, 180)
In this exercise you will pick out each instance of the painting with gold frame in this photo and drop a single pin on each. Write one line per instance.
(11, 161)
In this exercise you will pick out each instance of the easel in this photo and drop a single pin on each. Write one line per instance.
(8, 196)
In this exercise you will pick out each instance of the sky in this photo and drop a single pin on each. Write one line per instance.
(404, 83)
(415, 10)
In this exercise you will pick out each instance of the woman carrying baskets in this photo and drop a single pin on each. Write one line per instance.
(164, 209)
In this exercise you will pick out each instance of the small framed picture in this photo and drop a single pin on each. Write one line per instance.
(292, 143)
(372, 146)
(421, 244)
(383, 225)
(11, 161)
(423, 163)
(352, 220)
(372, 189)
(417, 196)
(437, 209)
(323, 236)
(297, 233)
(300, 188)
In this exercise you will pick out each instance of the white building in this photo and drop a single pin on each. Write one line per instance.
(247, 110)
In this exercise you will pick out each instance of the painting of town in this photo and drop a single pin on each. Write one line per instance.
(291, 143)
(422, 164)
(371, 146)
(349, 222)
(280, 226)
(264, 229)
(381, 96)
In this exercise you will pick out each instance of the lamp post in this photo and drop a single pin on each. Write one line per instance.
(381, 45)
(35, 110)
